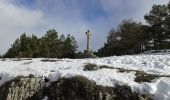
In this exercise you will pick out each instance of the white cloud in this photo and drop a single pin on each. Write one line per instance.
(14, 16)
(13, 20)
(67, 19)
(123, 9)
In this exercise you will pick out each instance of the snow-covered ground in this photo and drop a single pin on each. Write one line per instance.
(153, 64)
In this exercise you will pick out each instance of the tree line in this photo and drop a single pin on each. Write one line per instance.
(132, 37)
(49, 46)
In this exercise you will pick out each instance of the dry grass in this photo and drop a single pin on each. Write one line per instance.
(90, 67)
(50, 60)
(141, 76)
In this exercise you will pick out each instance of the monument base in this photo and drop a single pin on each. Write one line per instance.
(89, 54)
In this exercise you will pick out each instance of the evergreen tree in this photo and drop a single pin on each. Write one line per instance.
(61, 46)
(167, 19)
(156, 19)
(43, 48)
(127, 39)
(35, 46)
(25, 46)
(14, 50)
(50, 46)
(69, 47)
(52, 43)
(167, 28)
(132, 37)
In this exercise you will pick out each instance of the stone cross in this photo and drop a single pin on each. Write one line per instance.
(88, 34)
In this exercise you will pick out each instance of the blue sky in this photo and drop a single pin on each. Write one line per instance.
(73, 17)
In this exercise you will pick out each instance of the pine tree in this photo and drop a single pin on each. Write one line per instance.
(156, 19)
(50, 46)
(43, 48)
(127, 39)
(69, 47)
(52, 43)
(35, 46)
(61, 46)
(167, 28)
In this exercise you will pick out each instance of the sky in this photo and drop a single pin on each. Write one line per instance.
(73, 17)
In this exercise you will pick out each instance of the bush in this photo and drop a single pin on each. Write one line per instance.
(90, 67)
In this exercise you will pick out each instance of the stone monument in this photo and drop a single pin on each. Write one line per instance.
(88, 34)
(88, 52)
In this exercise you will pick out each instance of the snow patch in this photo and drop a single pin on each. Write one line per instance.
(58, 68)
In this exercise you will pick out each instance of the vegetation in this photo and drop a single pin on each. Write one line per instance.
(125, 40)
(90, 67)
(141, 76)
(91, 91)
(50, 45)
(132, 37)
(129, 38)
(50, 60)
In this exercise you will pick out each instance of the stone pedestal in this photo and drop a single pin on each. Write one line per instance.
(89, 54)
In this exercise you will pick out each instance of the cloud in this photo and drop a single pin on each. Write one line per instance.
(123, 9)
(18, 16)
(13, 20)
(73, 17)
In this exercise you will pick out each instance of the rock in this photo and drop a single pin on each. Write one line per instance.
(75, 88)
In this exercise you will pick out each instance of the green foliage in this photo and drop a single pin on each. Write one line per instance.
(156, 19)
(127, 39)
(50, 45)
(69, 47)
(80, 55)
(131, 37)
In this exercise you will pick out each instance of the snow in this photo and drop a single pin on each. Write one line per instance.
(158, 64)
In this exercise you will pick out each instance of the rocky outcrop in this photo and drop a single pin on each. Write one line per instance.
(21, 88)
(79, 88)
(75, 88)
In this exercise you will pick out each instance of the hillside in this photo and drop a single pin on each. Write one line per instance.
(147, 74)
